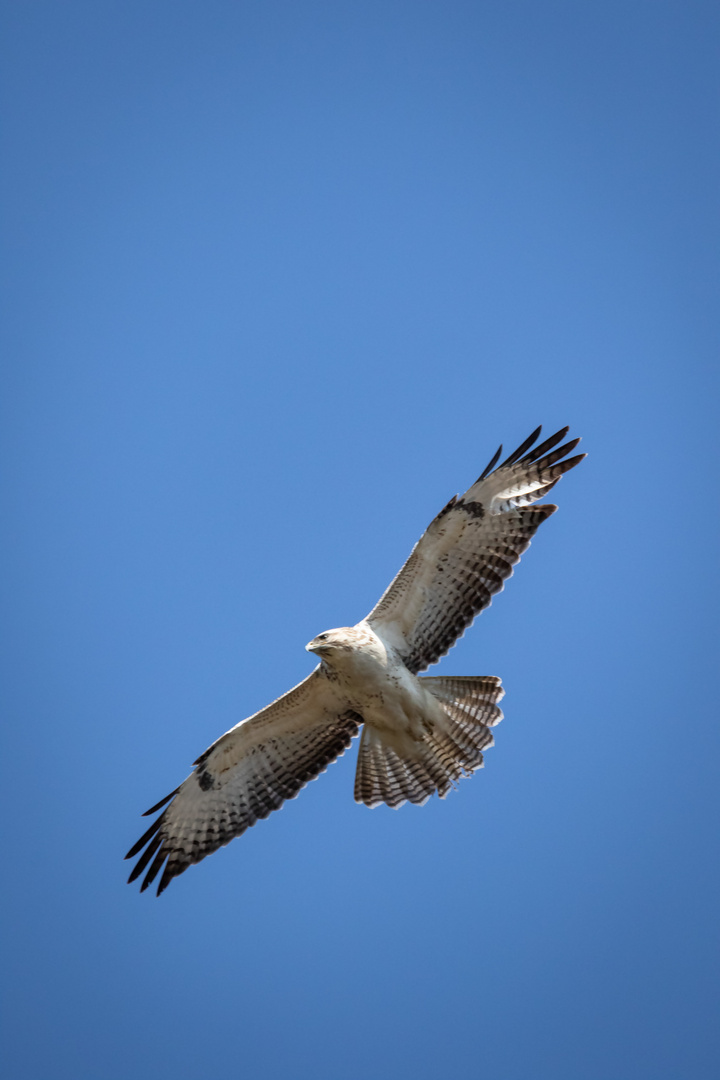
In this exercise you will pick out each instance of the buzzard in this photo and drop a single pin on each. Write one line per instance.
(419, 734)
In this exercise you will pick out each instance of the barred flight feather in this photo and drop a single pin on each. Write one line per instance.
(243, 777)
(468, 552)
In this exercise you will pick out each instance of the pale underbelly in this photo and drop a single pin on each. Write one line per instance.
(396, 710)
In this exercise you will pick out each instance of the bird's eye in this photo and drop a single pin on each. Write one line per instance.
(322, 637)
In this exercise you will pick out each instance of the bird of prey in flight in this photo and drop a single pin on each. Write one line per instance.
(419, 734)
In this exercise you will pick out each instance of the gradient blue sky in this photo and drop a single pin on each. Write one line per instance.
(278, 279)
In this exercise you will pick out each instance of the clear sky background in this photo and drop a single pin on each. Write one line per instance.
(278, 278)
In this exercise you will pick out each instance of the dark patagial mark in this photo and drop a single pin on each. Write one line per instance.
(205, 779)
(474, 509)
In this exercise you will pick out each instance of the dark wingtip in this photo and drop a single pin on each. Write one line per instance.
(491, 464)
(517, 454)
(154, 809)
(572, 462)
(154, 868)
(146, 857)
(144, 839)
(164, 881)
(546, 446)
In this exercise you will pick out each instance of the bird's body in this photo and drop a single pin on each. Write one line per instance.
(420, 734)
(373, 680)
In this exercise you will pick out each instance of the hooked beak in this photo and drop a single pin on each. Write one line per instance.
(315, 646)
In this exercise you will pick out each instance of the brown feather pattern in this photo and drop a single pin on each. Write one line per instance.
(461, 561)
(468, 552)
(209, 817)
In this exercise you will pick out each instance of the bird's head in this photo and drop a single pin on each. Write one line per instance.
(333, 641)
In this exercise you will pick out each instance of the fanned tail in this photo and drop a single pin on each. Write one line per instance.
(443, 756)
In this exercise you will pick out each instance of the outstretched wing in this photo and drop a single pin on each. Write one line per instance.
(246, 774)
(468, 551)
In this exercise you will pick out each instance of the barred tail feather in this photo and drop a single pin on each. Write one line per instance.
(443, 756)
(470, 700)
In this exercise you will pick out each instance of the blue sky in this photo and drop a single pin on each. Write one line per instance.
(279, 277)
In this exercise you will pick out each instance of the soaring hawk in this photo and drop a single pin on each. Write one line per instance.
(419, 734)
